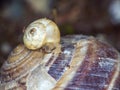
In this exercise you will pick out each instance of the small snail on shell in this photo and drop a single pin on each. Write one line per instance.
(17, 69)
(41, 32)
(80, 63)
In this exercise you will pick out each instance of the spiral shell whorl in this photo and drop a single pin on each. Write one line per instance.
(16, 54)
(20, 62)
(41, 32)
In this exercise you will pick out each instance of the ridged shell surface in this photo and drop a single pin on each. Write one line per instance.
(20, 62)
(86, 64)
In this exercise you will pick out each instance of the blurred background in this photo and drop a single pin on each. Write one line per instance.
(100, 18)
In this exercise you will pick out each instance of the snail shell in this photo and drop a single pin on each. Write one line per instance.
(41, 32)
(87, 64)
(20, 62)
(84, 63)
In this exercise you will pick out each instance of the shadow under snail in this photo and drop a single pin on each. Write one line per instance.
(77, 63)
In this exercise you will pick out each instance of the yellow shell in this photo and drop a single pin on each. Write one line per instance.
(41, 32)
(19, 63)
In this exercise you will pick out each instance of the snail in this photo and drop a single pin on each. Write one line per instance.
(78, 63)
(40, 33)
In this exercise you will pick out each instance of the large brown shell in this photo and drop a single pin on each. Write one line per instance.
(84, 63)
(91, 65)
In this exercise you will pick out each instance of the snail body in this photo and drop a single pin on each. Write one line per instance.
(41, 32)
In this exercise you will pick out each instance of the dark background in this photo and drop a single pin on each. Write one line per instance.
(100, 18)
